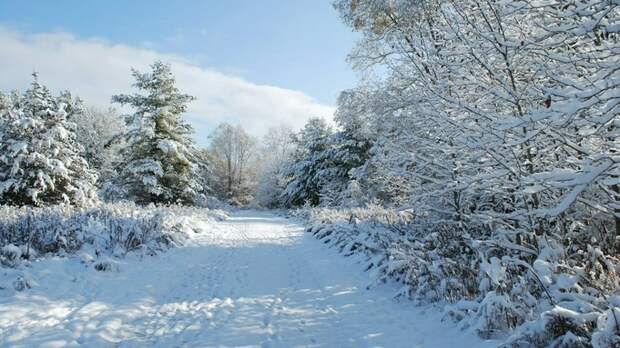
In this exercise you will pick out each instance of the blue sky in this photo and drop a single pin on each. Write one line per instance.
(293, 44)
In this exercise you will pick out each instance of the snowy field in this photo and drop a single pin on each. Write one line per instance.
(255, 280)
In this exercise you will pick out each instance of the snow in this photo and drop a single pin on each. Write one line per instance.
(167, 146)
(254, 280)
(10, 253)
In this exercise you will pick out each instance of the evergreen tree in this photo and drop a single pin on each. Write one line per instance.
(304, 174)
(324, 169)
(4, 111)
(40, 160)
(5, 104)
(158, 163)
(347, 152)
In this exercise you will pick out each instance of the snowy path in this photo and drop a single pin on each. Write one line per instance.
(255, 280)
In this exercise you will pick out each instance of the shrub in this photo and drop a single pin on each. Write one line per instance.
(547, 291)
(118, 228)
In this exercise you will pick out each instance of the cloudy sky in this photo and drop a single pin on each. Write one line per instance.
(255, 63)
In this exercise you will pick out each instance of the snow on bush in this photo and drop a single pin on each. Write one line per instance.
(41, 162)
(10, 255)
(109, 228)
(543, 296)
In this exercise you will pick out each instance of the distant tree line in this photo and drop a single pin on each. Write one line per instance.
(56, 150)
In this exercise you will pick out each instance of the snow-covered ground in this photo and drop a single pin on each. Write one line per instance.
(253, 280)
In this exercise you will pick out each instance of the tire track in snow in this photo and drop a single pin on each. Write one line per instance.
(207, 279)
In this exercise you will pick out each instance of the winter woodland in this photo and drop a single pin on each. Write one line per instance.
(476, 166)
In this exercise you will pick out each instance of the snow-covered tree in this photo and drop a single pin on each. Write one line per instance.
(304, 180)
(5, 114)
(327, 166)
(231, 150)
(579, 49)
(495, 124)
(95, 129)
(205, 171)
(41, 162)
(275, 154)
(348, 151)
(158, 160)
(4, 105)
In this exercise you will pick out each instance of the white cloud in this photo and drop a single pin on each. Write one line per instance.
(96, 69)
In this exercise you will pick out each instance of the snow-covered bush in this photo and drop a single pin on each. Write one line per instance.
(545, 296)
(114, 228)
(41, 162)
(10, 255)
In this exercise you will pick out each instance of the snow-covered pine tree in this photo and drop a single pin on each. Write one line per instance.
(304, 180)
(4, 103)
(348, 151)
(158, 164)
(4, 114)
(321, 171)
(40, 160)
(4, 110)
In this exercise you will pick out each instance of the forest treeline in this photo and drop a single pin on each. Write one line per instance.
(55, 149)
